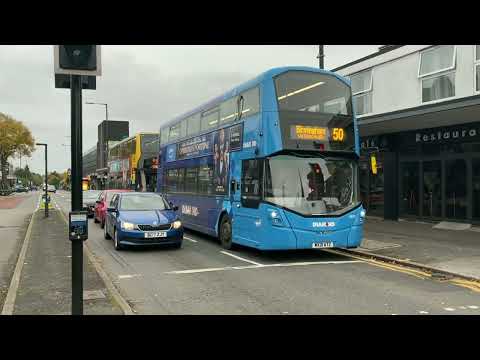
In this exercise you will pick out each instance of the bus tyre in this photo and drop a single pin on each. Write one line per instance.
(226, 233)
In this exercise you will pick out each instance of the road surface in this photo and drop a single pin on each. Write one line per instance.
(203, 278)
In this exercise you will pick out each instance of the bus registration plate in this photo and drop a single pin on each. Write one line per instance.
(322, 245)
(155, 234)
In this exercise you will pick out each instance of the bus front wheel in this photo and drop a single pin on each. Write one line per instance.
(226, 233)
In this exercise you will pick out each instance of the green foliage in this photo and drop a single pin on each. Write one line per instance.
(15, 139)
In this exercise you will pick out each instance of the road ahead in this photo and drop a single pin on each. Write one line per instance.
(202, 278)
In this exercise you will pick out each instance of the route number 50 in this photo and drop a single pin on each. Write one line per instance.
(338, 134)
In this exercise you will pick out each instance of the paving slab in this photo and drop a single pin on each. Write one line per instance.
(456, 251)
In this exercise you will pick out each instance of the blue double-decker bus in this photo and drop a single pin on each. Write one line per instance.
(271, 164)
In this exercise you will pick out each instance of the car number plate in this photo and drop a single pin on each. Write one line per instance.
(322, 245)
(155, 234)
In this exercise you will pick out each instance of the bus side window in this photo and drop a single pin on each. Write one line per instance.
(252, 189)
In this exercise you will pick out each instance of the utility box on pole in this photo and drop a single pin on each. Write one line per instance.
(77, 61)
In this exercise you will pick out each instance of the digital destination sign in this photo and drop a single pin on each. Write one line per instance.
(319, 133)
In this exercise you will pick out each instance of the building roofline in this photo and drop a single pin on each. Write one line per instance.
(378, 53)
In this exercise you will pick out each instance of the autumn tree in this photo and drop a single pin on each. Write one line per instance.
(15, 139)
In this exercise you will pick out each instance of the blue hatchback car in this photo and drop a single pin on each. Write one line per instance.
(134, 218)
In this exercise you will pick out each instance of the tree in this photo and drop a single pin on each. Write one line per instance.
(54, 178)
(15, 139)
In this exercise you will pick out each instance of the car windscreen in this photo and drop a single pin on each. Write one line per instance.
(143, 202)
(91, 195)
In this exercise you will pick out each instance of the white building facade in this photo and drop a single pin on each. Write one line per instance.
(418, 108)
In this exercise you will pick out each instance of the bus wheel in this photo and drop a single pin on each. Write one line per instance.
(226, 233)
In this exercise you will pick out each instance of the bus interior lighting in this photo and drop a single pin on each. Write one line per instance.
(301, 90)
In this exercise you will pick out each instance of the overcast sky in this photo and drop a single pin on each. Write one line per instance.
(146, 85)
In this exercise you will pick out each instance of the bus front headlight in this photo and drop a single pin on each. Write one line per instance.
(177, 224)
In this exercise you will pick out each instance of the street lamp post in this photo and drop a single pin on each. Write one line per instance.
(105, 149)
(46, 179)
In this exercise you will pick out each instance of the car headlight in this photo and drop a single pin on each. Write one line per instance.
(128, 226)
(177, 224)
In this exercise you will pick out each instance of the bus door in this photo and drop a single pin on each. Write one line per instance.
(247, 218)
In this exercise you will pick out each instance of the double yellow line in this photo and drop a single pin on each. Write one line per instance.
(469, 284)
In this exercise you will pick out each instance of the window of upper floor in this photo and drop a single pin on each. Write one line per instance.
(437, 73)
(477, 68)
(362, 88)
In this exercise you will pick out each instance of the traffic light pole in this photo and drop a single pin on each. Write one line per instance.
(76, 159)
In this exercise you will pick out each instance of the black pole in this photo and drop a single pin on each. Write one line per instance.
(46, 182)
(76, 159)
(320, 56)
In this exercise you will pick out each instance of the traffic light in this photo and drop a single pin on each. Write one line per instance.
(77, 60)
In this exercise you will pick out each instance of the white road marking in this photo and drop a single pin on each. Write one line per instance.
(240, 258)
(472, 307)
(189, 239)
(449, 309)
(423, 312)
(194, 271)
(128, 276)
(462, 307)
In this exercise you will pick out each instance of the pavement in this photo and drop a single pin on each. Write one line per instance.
(455, 251)
(15, 213)
(45, 282)
(44, 279)
(203, 278)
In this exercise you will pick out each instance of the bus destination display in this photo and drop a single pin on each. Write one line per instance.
(319, 133)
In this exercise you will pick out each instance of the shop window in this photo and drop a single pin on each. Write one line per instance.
(362, 85)
(476, 188)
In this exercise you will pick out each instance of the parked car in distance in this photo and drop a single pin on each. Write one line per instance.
(90, 198)
(20, 188)
(139, 219)
(102, 204)
(52, 188)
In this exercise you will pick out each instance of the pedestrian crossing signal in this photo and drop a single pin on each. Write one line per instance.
(77, 60)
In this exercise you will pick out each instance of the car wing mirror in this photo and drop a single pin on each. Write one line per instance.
(175, 208)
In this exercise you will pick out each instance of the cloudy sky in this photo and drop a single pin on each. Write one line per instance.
(146, 85)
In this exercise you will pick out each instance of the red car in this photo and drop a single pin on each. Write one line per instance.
(102, 205)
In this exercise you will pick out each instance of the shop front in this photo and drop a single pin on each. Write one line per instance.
(437, 173)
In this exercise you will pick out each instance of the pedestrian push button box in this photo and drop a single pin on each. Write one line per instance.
(78, 225)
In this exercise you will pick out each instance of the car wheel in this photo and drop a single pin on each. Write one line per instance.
(116, 243)
(226, 233)
(105, 233)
